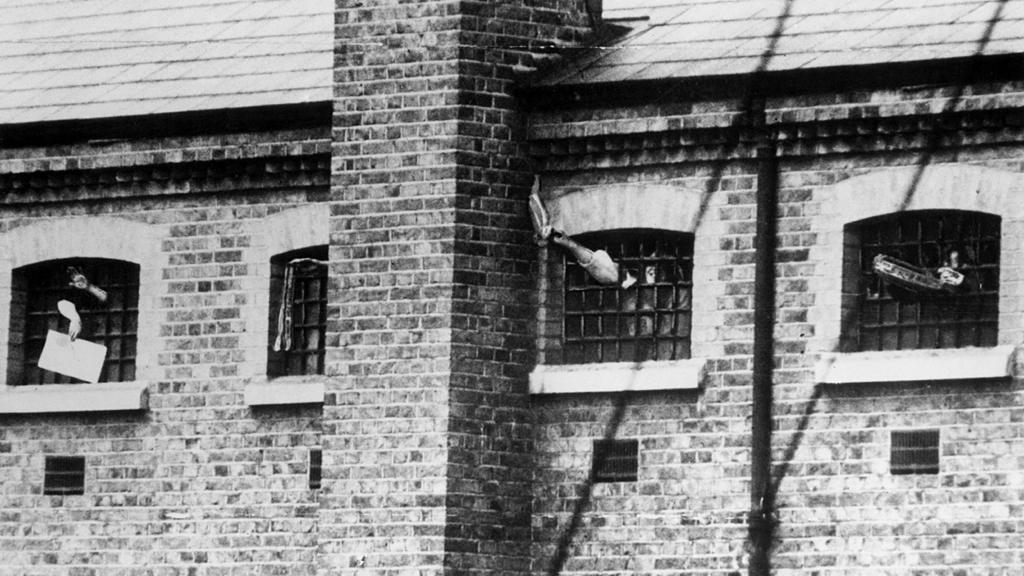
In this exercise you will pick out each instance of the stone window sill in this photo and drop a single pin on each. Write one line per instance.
(618, 377)
(70, 398)
(916, 365)
(286, 390)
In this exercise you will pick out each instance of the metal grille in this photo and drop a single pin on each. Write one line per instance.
(616, 460)
(113, 323)
(914, 452)
(891, 319)
(649, 320)
(316, 456)
(64, 475)
(308, 303)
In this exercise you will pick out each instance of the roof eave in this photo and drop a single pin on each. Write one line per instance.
(177, 124)
(951, 71)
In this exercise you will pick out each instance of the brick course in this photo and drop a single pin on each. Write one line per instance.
(435, 457)
(425, 121)
(841, 512)
(199, 483)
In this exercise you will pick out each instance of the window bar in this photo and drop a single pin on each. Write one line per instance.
(300, 321)
(602, 324)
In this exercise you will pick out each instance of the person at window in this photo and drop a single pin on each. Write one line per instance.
(958, 273)
(79, 295)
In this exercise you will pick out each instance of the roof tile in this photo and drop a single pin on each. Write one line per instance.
(88, 58)
(85, 58)
(713, 37)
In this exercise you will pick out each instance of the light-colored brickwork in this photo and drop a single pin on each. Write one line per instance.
(840, 510)
(198, 481)
(436, 459)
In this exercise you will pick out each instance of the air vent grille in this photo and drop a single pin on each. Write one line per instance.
(615, 460)
(64, 475)
(914, 452)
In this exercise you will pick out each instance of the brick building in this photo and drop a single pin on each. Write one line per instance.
(334, 347)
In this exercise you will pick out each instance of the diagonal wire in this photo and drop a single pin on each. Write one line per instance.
(783, 469)
(749, 105)
(565, 541)
(969, 76)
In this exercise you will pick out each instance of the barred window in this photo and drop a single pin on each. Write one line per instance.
(883, 314)
(298, 312)
(37, 288)
(649, 320)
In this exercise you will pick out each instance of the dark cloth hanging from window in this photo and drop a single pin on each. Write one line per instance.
(302, 269)
(283, 341)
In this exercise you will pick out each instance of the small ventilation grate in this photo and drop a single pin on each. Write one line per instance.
(615, 460)
(914, 452)
(64, 475)
(316, 458)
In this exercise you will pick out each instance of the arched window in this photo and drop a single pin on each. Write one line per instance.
(883, 312)
(648, 320)
(298, 312)
(108, 317)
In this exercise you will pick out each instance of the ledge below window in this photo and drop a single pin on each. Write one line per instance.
(285, 391)
(618, 377)
(917, 365)
(65, 398)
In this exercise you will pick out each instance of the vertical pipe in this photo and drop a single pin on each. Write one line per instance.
(761, 520)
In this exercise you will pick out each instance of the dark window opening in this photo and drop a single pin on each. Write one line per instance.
(914, 452)
(316, 456)
(298, 312)
(649, 320)
(882, 314)
(615, 460)
(64, 475)
(38, 288)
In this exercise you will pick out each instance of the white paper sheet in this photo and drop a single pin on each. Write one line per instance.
(79, 359)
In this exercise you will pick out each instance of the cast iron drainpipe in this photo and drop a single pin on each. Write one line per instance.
(761, 521)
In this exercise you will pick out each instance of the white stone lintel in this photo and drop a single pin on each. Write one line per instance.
(66, 398)
(285, 391)
(618, 377)
(917, 365)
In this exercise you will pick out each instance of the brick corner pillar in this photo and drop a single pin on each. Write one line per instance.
(427, 444)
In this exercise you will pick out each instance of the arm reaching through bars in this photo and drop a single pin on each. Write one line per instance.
(78, 280)
(597, 263)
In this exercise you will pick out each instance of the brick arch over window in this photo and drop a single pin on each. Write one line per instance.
(624, 206)
(296, 228)
(88, 237)
(581, 210)
(939, 187)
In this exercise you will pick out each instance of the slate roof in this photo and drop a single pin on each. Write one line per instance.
(81, 59)
(691, 38)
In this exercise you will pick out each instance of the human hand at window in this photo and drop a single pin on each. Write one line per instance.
(79, 281)
(68, 310)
